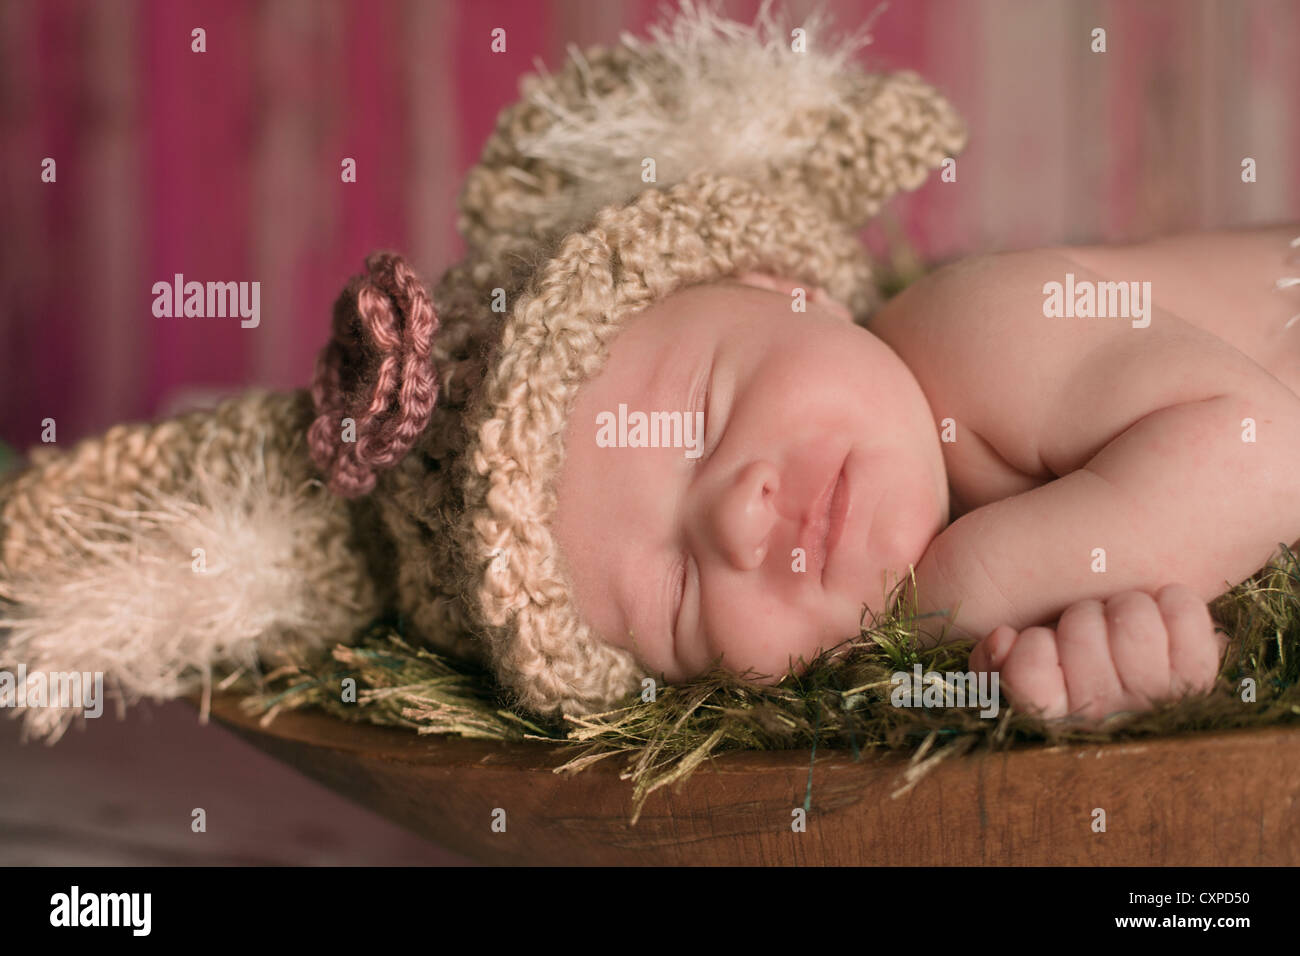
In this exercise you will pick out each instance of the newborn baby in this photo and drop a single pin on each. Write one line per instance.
(1073, 468)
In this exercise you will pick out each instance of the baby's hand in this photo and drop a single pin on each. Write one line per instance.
(1103, 658)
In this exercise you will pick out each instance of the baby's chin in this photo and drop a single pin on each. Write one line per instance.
(902, 528)
(894, 549)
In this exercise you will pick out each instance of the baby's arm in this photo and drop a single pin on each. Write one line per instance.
(1178, 497)
(1173, 495)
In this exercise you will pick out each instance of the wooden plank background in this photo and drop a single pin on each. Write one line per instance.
(225, 165)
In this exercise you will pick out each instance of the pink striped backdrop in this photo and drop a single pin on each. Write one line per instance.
(225, 165)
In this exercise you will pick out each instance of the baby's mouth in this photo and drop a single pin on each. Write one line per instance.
(821, 530)
(835, 515)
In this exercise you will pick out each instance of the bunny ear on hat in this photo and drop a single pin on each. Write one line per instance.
(705, 94)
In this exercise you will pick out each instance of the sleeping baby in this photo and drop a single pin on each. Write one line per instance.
(1071, 450)
(1070, 485)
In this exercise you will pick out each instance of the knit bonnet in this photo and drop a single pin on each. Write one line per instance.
(635, 171)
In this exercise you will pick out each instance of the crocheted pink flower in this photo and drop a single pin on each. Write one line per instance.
(375, 386)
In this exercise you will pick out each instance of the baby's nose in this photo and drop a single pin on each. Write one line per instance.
(745, 514)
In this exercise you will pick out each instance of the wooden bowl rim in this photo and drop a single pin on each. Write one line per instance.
(319, 729)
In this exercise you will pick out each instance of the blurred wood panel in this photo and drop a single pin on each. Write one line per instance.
(121, 793)
(224, 165)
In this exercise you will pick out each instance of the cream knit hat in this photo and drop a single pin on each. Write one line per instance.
(766, 159)
(556, 338)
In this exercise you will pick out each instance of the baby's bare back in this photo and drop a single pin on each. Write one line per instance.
(1222, 282)
(1163, 438)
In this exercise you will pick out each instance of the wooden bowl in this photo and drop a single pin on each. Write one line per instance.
(1226, 798)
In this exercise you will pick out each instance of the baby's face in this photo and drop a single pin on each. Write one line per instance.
(816, 438)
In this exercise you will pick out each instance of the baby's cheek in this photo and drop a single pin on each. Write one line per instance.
(771, 650)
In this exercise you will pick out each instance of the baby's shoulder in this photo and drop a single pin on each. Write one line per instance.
(1043, 359)
(982, 319)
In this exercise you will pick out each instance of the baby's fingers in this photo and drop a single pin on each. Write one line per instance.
(1085, 654)
(1031, 674)
(1195, 647)
(989, 653)
(1139, 645)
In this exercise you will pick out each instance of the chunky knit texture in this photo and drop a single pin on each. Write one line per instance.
(556, 338)
(154, 553)
(709, 94)
(566, 241)
(768, 161)
(578, 252)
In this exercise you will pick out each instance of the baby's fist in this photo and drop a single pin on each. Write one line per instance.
(1122, 655)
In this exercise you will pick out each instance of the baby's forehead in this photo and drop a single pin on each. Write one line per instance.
(695, 311)
(660, 352)
(702, 318)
